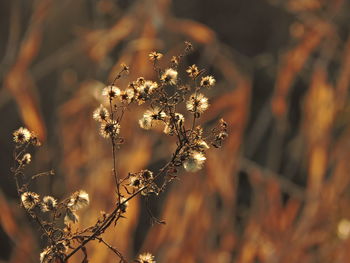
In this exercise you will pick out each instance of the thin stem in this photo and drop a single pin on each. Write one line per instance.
(100, 230)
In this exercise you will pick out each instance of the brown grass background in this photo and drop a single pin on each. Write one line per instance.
(275, 192)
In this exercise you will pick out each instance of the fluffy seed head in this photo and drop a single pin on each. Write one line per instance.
(203, 145)
(194, 162)
(70, 217)
(155, 56)
(78, 200)
(135, 182)
(193, 71)
(21, 136)
(30, 200)
(100, 114)
(152, 117)
(124, 205)
(127, 95)
(146, 258)
(197, 103)
(175, 60)
(146, 175)
(169, 76)
(147, 87)
(45, 256)
(146, 121)
(111, 92)
(207, 81)
(26, 159)
(109, 128)
(49, 203)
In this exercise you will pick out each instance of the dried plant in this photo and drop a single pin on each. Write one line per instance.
(164, 97)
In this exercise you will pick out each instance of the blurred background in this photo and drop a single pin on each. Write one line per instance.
(278, 190)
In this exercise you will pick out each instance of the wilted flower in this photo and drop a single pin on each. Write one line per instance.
(207, 81)
(197, 103)
(146, 258)
(30, 199)
(78, 200)
(154, 56)
(194, 161)
(49, 203)
(193, 71)
(21, 136)
(111, 91)
(109, 128)
(169, 76)
(26, 159)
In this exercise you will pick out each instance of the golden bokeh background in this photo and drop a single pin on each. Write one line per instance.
(277, 191)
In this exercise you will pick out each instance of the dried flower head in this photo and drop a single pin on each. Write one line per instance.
(49, 203)
(173, 124)
(175, 60)
(152, 117)
(127, 95)
(208, 81)
(169, 76)
(194, 161)
(136, 182)
(202, 145)
(109, 129)
(193, 71)
(140, 81)
(22, 135)
(51, 253)
(197, 103)
(146, 258)
(111, 92)
(26, 159)
(125, 68)
(221, 133)
(146, 175)
(188, 46)
(101, 114)
(30, 200)
(123, 204)
(155, 56)
(146, 121)
(46, 255)
(70, 217)
(78, 200)
(147, 88)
